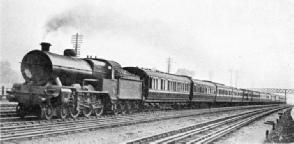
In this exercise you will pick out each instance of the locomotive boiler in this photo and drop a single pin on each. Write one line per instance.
(61, 85)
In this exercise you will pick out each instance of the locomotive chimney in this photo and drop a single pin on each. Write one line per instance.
(45, 46)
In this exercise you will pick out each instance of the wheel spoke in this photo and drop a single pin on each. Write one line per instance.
(63, 111)
(48, 112)
(74, 113)
(87, 111)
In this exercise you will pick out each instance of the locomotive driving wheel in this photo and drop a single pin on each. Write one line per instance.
(73, 112)
(62, 113)
(98, 108)
(48, 112)
(87, 111)
(20, 110)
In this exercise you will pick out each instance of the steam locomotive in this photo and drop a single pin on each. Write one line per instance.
(63, 85)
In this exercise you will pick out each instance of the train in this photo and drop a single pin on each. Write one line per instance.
(66, 86)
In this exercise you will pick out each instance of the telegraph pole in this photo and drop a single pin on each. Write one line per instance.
(77, 40)
(169, 62)
(210, 75)
(237, 78)
(231, 71)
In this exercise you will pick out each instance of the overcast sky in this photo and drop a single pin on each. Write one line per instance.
(210, 37)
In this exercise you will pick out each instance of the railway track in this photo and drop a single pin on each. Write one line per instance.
(30, 129)
(207, 132)
(7, 105)
(7, 114)
(15, 121)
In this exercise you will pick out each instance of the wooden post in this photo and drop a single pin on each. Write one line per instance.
(285, 96)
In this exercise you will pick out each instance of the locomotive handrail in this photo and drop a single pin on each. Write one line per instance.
(60, 66)
(97, 92)
(131, 79)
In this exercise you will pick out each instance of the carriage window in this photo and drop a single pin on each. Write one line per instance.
(165, 84)
(182, 87)
(153, 83)
(150, 82)
(174, 86)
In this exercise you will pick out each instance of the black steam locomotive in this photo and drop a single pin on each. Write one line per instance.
(62, 85)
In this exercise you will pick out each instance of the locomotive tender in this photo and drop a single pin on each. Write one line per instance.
(62, 85)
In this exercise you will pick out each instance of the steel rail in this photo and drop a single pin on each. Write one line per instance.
(176, 135)
(31, 121)
(84, 125)
(230, 128)
(8, 105)
(11, 133)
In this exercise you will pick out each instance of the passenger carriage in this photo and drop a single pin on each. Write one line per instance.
(246, 95)
(255, 97)
(224, 93)
(263, 97)
(163, 88)
(237, 95)
(203, 91)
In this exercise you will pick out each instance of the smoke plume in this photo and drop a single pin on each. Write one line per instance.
(91, 20)
(82, 18)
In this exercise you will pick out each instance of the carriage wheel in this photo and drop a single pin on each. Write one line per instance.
(20, 110)
(115, 112)
(48, 112)
(62, 113)
(121, 108)
(151, 108)
(87, 111)
(98, 111)
(129, 108)
(114, 109)
(73, 112)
